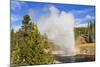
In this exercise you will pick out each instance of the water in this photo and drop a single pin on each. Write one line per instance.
(77, 58)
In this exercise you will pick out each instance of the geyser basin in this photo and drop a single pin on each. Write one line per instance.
(43, 33)
(59, 27)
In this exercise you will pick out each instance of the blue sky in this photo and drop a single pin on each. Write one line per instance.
(82, 13)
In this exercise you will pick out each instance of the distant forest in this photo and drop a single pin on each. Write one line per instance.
(86, 32)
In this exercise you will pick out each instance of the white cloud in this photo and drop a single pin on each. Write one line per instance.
(81, 25)
(14, 18)
(16, 5)
(59, 28)
(89, 17)
(16, 27)
(78, 12)
(80, 22)
(83, 22)
(15, 24)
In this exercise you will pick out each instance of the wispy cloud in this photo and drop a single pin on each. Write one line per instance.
(84, 11)
(16, 5)
(82, 17)
(83, 22)
(16, 27)
(15, 22)
(15, 18)
(77, 25)
(90, 17)
(78, 11)
(38, 10)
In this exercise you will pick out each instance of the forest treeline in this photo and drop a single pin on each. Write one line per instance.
(86, 32)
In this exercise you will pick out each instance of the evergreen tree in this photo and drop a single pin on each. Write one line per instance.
(30, 46)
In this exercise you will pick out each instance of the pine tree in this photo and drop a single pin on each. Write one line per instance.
(31, 47)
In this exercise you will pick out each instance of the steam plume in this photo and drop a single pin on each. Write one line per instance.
(59, 28)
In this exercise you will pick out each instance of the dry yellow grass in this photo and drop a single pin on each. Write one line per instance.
(87, 45)
(87, 49)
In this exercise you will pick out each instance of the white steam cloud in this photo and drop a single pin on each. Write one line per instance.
(59, 27)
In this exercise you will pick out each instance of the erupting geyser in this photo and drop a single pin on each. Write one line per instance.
(59, 27)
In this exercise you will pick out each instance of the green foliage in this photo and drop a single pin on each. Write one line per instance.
(28, 46)
(87, 32)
